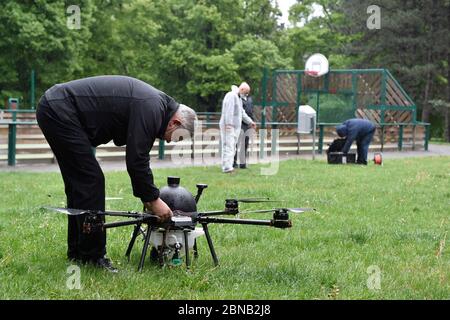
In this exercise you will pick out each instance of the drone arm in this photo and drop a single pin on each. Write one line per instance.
(218, 213)
(269, 223)
(122, 223)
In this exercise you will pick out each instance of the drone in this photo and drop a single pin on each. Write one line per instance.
(170, 237)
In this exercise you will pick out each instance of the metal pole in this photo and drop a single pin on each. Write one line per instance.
(263, 113)
(161, 149)
(32, 89)
(400, 139)
(274, 103)
(12, 130)
(318, 105)
(274, 141)
(355, 92)
(383, 95)
(15, 109)
(321, 138)
(314, 139)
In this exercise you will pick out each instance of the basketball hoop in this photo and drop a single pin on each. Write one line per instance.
(317, 65)
(311, 73)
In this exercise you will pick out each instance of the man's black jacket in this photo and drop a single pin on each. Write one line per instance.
(126, 110)
(248, 108)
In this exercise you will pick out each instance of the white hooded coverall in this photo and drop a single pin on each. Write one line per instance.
(230, 126)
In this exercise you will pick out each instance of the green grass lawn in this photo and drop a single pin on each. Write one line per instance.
(394, 217)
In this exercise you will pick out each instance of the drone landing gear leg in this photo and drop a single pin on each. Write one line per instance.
(195, 249)
(133, 239)
(144, 249)
(210, 244)
(186, 247)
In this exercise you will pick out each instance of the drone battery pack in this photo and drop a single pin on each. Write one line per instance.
(341, 158)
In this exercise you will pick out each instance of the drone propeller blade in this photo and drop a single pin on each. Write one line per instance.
(126, 214)
(291, 210)
(256, 200)
(258, 211)
(69, 212)
(299, 210)
(113, 198)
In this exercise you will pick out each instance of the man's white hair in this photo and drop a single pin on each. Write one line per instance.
(244, 86)
(188, 118)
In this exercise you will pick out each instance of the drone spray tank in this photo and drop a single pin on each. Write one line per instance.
(172, 242)
(177, 197)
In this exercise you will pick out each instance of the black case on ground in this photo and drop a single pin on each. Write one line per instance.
(340, 158)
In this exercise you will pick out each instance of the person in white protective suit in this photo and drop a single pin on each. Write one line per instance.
(233, 115)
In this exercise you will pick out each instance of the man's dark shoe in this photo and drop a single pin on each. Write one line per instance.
(243, 166)
(235, 165)
(106, 264)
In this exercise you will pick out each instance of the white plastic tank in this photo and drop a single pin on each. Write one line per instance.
(174, 236)
(306, 119)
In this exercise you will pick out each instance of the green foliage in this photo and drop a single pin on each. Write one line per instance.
(412, 43)
(196, 49)
(35, 36)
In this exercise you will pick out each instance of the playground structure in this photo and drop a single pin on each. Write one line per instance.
(372, 94)
(339, 95)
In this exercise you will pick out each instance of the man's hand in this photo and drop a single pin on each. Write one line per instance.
(253, 125)
(159, 208)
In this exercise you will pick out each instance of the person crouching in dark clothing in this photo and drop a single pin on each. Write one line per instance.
(359, 130)
(81, 114)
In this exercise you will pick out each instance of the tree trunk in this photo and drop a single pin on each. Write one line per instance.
(447, 110)
(426, 108)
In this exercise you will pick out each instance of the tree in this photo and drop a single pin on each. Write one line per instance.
(199, 57)
(311, 34)
(412, 42)
(35, 36)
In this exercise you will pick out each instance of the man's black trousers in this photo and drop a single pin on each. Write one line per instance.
(83, 178)
(243, 142)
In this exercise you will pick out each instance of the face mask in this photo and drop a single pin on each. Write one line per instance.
(244, 96)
